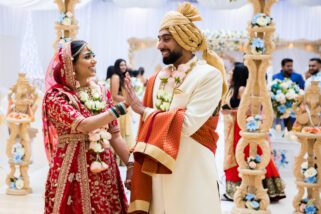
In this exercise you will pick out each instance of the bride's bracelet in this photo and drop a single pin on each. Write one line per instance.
(121, 108)
(130, 163)
(118, 110)
(113, 111)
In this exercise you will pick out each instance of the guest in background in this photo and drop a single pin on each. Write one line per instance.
(287, 72)
(118, 94)
(307, 75)
(109, 73)
(272, 180)
(314, 71)
(141, 76)
(133, 73)
(237, 78)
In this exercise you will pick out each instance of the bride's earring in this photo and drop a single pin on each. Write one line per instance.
(77, 82)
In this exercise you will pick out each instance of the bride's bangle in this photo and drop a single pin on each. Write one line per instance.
(130, 165)
(113, 111)
(121, 108)
(131, 160)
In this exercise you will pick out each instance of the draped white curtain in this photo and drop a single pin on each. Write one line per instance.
(223, 4)
(12, 26)
(107, 27)
(140, 3)
(36, 4)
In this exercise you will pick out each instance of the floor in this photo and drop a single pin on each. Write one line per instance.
(33, 203)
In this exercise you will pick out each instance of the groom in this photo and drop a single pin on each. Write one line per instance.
(174, 169)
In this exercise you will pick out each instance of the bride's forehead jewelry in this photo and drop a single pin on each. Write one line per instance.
(90, 50)
(80, 49)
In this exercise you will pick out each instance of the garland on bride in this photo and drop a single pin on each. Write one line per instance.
(92, 98)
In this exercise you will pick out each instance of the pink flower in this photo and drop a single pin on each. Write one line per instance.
(96, 167)
(252, 165)
(164, 75)
(106, 144)
(96, 147)
(183, 68)
(105, 135)
(178, 76)
(94, 136)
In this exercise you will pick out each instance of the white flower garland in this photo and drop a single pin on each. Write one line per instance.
(92, 99)
(99, 138)
(170, 80)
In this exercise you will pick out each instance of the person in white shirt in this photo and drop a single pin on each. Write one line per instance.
(315, 71)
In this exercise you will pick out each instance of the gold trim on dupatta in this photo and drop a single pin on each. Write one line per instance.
(139, 205)
(156, 153)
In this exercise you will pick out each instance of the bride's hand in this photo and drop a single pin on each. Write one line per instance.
(131, 97)
(129, 175)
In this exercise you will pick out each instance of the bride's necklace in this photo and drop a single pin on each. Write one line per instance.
(91, 97)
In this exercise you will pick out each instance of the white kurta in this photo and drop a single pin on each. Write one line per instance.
(192, 187)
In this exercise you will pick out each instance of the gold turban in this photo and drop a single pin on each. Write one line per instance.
(180, 24)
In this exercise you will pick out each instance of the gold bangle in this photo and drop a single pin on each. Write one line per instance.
(130, 166)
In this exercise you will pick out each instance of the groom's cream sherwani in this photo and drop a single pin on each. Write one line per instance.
(192, 187)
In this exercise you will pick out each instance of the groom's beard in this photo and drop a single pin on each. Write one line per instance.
(172, 57)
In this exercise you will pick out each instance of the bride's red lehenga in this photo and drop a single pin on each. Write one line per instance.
(71, 187)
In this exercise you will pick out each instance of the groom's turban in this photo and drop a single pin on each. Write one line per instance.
(180, 24)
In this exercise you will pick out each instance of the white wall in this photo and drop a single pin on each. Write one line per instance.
(107, 28)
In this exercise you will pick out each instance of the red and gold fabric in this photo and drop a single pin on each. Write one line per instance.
(71, 187)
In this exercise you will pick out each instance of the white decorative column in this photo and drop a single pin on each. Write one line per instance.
(307, 168)
(22, 105)
(255, 114)
(67, 25)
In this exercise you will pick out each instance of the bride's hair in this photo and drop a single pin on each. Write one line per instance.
(76, 48)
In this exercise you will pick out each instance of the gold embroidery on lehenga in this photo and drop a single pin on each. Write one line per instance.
(69, 201)
(78, 177)
(62, 178)
(84, 180)
(71, 177)
(68, 138)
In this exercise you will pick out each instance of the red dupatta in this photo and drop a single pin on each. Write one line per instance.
(60, 75)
